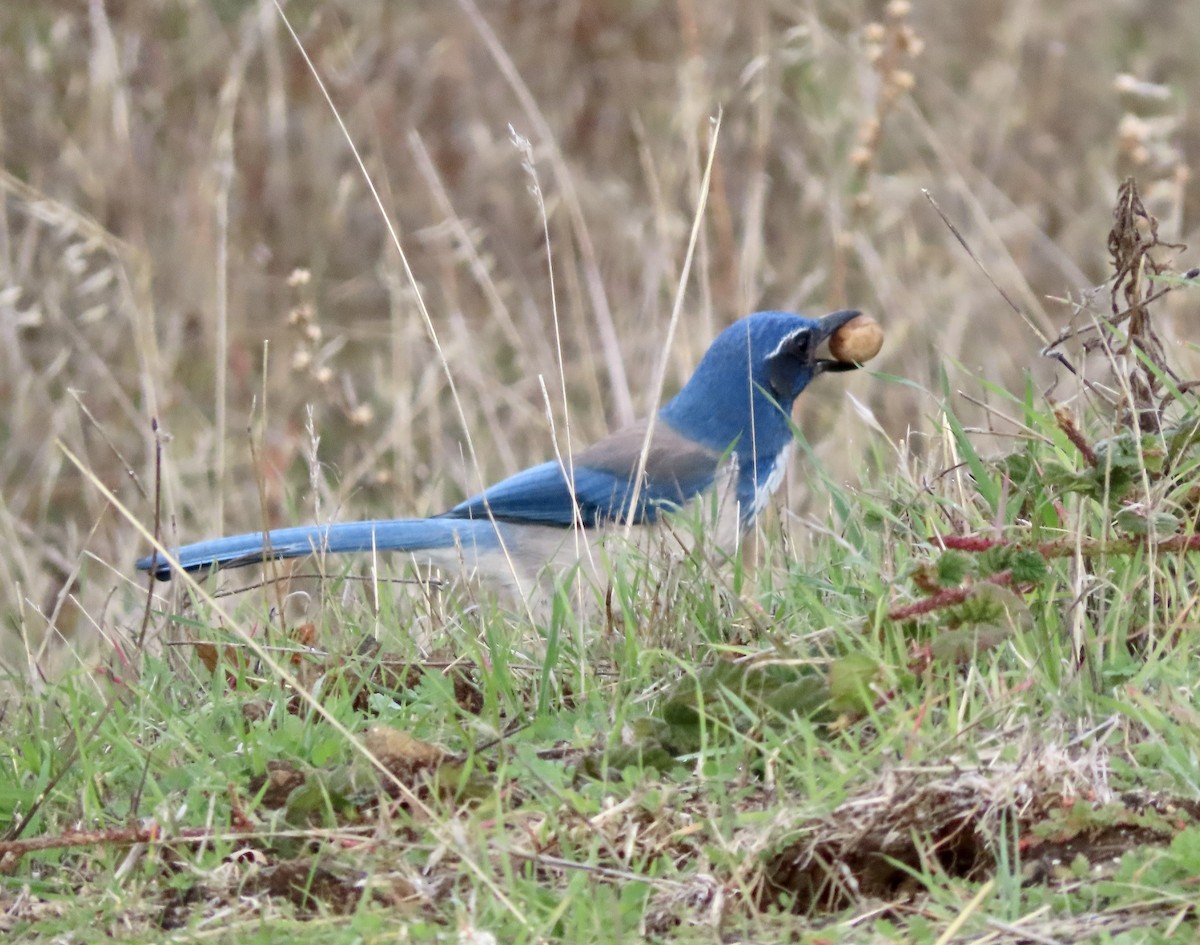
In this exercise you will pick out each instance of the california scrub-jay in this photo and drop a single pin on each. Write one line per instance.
(727, 431)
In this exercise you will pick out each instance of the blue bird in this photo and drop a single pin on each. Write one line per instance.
(728, 431)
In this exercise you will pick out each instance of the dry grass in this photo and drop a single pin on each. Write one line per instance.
(170, 168)
(186, 238)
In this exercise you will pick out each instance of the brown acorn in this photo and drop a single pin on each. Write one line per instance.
(857, 341)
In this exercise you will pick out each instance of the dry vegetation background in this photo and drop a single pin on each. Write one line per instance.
(168, 166)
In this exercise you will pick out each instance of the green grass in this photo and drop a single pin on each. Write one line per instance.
(782, 761)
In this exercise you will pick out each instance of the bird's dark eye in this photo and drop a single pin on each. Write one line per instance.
(794, 353)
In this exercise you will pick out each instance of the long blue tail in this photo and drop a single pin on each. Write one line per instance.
(411, 534)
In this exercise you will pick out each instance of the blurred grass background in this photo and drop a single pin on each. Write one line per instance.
(169, 167)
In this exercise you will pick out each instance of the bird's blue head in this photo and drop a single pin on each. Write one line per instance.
(742, 392)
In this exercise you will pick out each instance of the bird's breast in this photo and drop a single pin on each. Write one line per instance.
(768, 480)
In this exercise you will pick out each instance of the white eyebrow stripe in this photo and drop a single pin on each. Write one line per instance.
(786, 340)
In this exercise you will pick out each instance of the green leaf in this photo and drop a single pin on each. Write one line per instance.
(850, 681)
(988, 488)
(961, 644)
(1185, 847)
(1136, 521)
(953, 567)
(1028, 567)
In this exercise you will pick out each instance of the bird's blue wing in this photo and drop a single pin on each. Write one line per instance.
(677, 469)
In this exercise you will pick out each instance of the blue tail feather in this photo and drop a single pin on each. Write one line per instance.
(415, 534)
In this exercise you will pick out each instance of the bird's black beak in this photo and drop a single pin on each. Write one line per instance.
(826, 326)
(795, 360)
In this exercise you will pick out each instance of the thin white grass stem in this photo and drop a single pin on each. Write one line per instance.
(614, 361)
(223, 166)
(447, 834)
(582, 546)
(660, 373)
(412, 281)
(466, 245)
